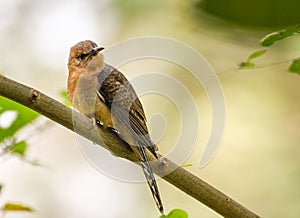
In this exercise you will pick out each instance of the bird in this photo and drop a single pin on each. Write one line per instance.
(104, 94)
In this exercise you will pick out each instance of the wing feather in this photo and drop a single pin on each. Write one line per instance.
(121, 98)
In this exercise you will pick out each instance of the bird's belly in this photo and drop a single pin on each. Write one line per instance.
(85, 96)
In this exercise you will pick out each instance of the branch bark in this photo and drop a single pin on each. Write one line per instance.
(181, 178)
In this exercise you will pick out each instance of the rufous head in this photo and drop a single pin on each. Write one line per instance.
(84, 58)
(81, 54)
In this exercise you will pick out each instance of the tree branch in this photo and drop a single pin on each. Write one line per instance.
(181, 178)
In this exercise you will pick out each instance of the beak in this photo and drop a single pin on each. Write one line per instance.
(97, 50)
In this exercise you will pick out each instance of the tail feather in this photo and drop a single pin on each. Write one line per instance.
(150, 179)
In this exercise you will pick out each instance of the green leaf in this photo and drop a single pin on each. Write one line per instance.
(64, 94)
(24, 117)
(16, 207)
(271, 38)
(0, 188)
(17, 148)
(186, 165)
(256, 54)
(246, 64)
(176, 213)
(295, 66)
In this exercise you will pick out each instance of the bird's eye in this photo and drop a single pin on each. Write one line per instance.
(81, 56)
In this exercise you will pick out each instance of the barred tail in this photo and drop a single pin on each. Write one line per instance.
(150, 179)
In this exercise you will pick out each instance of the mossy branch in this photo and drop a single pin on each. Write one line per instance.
(181, 178)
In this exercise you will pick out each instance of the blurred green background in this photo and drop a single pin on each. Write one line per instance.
(257, 164)
(255, 12)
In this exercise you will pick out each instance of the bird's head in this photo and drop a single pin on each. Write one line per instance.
(84, 59)
(82, 53)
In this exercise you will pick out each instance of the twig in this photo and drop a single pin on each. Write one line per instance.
(181, 178)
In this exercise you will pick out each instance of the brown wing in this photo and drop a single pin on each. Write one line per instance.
(121, 98)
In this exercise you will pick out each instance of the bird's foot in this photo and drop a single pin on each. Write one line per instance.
(105, 127)
(99, 123)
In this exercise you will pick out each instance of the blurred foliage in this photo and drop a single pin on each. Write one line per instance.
(17, 148)
(66, 101)
(186, 165)
(24, 116)
(176, 213)
(256, 54)
(271, 38)
(254, 12)
(295, 66)
(130, 9)
(16, 207)
(268, 41)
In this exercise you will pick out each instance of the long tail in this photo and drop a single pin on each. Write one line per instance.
(150, 179)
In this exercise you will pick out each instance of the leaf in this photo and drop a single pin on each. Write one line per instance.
(24, 117)
(17, 148)
(176, 213)
(64, 94)
(248, 62)
(256, 54)
(295, 66)
(186, 165)
(17, 207)
(0, 188)
(271, 38)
